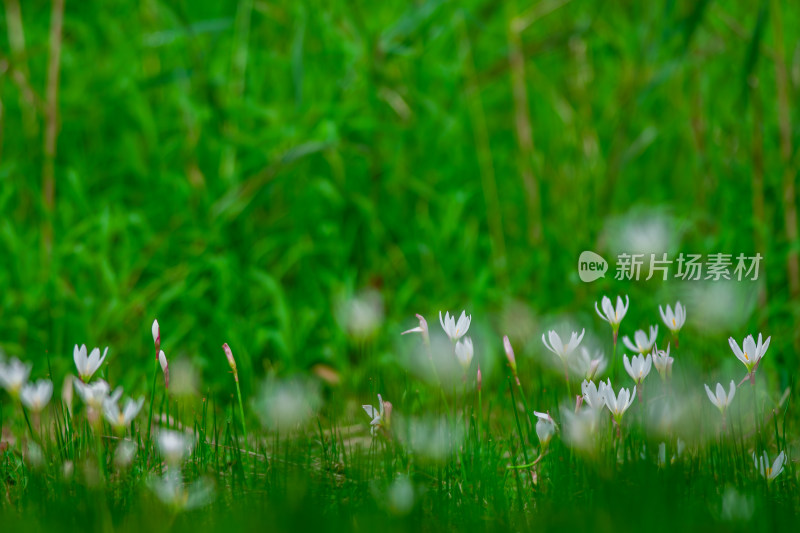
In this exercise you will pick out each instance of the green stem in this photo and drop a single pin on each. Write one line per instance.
(150, 416)
(241, 415)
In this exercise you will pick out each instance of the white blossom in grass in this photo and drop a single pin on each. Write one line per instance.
(285, 405)
(172, 492)
(594, 395)
(580, 427)
(380, 416)
(767, 471)
(611, 314)
(720, 399)
(174, 446)
(422, 329)
(13, 375)
(87, 365)
(455, 330)
(545, 427)
(156, 335)
(122, 418)
(673, 319)
(464, 352)
(619, 403)
(94, 395)
(663, 362)
(124, 454)
(750, 353)
(638, 367)
(642, 343)
(36, 396)
(587, 365)
(400, 496)
(563, 351)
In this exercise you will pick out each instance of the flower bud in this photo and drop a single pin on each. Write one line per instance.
(156, 336)
(162, 358)
(229, 355)
(512, 362)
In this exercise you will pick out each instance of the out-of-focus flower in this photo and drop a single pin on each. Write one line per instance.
(13, 375)
(97, 393)
(594, 395)
(464, 353)
(162, 359)
(663, 362)
(67, 391)
(662, 452)
(174, 446)
(35, 396)
(769, 472)
(121, 418)
(638, 367)
(750, 353)
(736, 507)
(642, 342)
(34, 455)
(87, 365)
(722, 400)
(620, 403)
(422, 328)
(563, 351)
(580, 428)
(361, 314)
(124, 454)
(433, 439)
(381, 416)
(673, 319)
(286, 404)
(172, 492)
(400, 496)
(455, 330)
(587, 366)
(545, 427)
(613, 315)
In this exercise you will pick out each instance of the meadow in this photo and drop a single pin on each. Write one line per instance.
(297, 180)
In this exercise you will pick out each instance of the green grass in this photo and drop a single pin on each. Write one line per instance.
(248, 172)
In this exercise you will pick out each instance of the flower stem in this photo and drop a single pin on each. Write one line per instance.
(150, 416)
(241, 414)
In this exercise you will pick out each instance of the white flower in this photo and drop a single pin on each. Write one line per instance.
(13, 375)
(594, 395)
(174, 446)
(35, 396)
(124, 454)
(96, 394)
(587, 366)
(422, 328)
(171, 491)
(545, 427)
(751, 353)
(379, 416)
(620, 403)
(721, 400)
(611, 314)
(769, 472)
(638, 367)
(120, 419)
(563, 351)
(643, 343)
(156, 334)
(580, 427)
(464, 353)
(87, 366)
(455, 330)
(663, 362)
(673, 320)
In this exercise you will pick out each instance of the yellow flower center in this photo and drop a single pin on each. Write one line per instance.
(768, 471)
(745, 357)
(673, 323)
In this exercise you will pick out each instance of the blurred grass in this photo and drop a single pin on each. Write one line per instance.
(372, 145)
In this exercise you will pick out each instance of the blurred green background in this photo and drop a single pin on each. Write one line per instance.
(243, 170)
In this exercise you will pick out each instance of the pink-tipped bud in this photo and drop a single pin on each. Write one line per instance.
(422, 328)
(480, 380)
(162, 358)
(512, 362)
(578, 402)
(156, 336)
(229, 355)
(387, 414)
